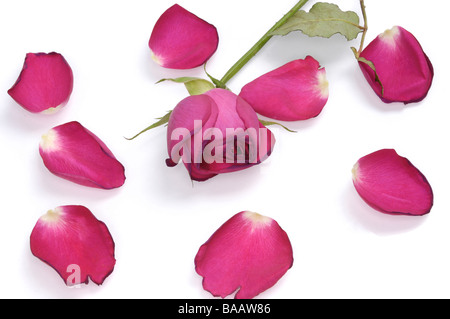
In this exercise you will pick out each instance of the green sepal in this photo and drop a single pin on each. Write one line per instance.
(195, 86)
(268, 123)
(216, 82)
(161, 121)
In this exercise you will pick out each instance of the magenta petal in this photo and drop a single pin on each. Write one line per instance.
(236, 114)
(296, 91)
(391, 184)
(249, 252)
(194, 109)
(227, 104)
(45, 83)
(402, 66)
(216, 132)
(181, 40)
(75, 243)
(188, 120)
(74, 153)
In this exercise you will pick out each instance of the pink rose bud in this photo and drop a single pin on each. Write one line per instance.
(75, 243)
(45, 83)
(250, 252)
(72, 152)
(216, 132)
(296, 91)
(404, 70)
(181, 40)
(391, 184)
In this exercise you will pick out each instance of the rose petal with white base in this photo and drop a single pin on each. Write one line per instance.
(181, 40)
(295, 91)
(391, 184)
(45, 83)
(72, 152)
(75, 243)
(248, 253)
(404, 70)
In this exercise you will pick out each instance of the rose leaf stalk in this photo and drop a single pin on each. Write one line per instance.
(365, 28)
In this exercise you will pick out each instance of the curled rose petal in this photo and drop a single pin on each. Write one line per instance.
(403, 68)
(45, 83)
(296, 91)
(199, 109)
(391, 184)
(75, 243)
(250, 252)
(72, 152)
(181, 40)
(216, 132)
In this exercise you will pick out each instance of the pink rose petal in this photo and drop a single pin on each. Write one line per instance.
(72, 152)
(181, 40)
(403, 68)
(391, 184)
(45, 83)
(249, 252)
(76, 244)
(296, 91)
(224, 113)
(184, 118)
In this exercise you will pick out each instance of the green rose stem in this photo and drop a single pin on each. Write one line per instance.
(365, 28)
(259, 45)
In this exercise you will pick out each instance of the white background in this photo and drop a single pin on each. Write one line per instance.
(159, 219)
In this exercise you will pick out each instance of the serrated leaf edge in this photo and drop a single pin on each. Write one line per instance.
(323, 20)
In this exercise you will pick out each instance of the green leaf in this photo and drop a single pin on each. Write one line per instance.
(371, 65)
(161, 121)
(323, 20)
(267, 123)
(195, 86)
